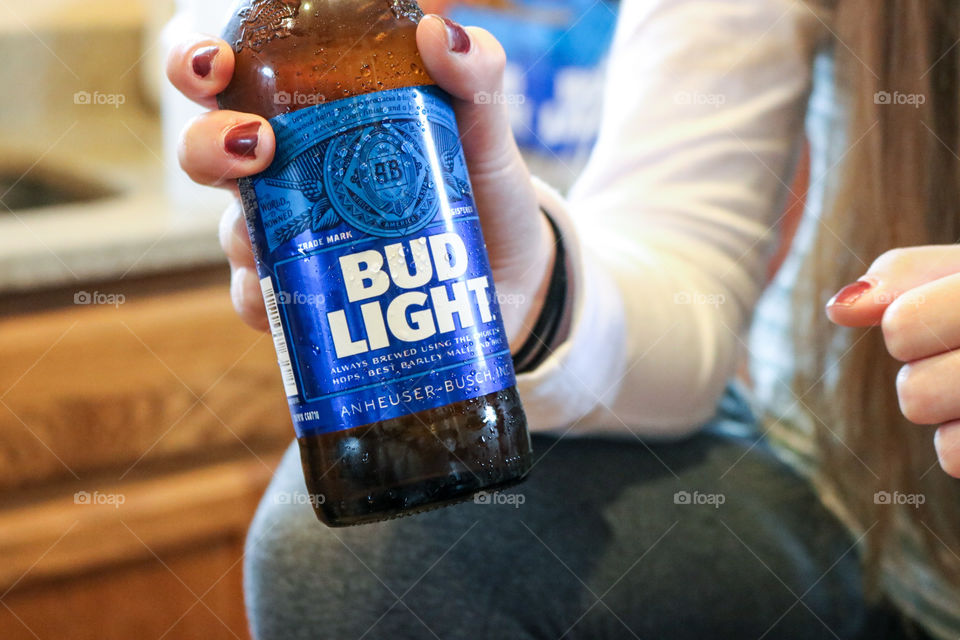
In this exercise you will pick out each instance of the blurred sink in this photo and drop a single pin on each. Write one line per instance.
(83, 193)
(23, 187)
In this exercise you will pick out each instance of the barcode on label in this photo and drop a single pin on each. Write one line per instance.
(279, 339)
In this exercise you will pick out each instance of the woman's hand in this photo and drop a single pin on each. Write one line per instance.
(914, 295)
(221, 146)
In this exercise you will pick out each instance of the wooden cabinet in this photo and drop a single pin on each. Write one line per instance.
(135, 442)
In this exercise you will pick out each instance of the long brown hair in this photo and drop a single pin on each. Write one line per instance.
(898, 186)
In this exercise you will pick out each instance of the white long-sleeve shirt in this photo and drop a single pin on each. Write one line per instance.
(671, 227)
(672, 222)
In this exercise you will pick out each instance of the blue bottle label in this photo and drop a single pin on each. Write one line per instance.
(372, 262)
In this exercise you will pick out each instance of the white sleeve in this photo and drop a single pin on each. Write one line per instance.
(671, 224)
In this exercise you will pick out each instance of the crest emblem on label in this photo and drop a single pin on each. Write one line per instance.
(266, 20)
(378, 180)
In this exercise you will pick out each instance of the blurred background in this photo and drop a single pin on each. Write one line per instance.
(139, 419)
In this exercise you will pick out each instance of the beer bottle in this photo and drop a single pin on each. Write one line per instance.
(372, 263)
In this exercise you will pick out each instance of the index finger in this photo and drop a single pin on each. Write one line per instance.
(891, 276)
(201, 67)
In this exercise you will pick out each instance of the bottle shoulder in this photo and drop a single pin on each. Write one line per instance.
(288, 58)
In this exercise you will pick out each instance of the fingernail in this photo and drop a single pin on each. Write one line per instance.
(242, 140)
(851, 293)
(203, 60)
(457, 37)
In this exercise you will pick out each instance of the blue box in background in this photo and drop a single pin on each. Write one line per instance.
(556, 51)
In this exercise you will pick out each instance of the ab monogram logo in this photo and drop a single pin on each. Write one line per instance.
(378, 180)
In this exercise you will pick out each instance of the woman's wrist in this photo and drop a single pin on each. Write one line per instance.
(546, 318)
(522, 284)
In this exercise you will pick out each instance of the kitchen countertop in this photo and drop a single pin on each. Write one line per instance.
(137, 231)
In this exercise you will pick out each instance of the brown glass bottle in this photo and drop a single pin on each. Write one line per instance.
(330, 50)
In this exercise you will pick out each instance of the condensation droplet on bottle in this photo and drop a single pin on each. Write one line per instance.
(406, 9)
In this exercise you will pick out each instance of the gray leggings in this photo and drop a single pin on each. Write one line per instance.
(707, 538)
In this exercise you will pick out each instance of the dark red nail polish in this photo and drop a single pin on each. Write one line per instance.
(203, 60)
(851, 293)
(242, 140)
(458, 38)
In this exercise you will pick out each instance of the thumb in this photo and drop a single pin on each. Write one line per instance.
(891, 276)
(468, 64)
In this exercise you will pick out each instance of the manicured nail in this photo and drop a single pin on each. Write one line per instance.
(242, 140)
(851, 293)
(457, 37)
(203, 60)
